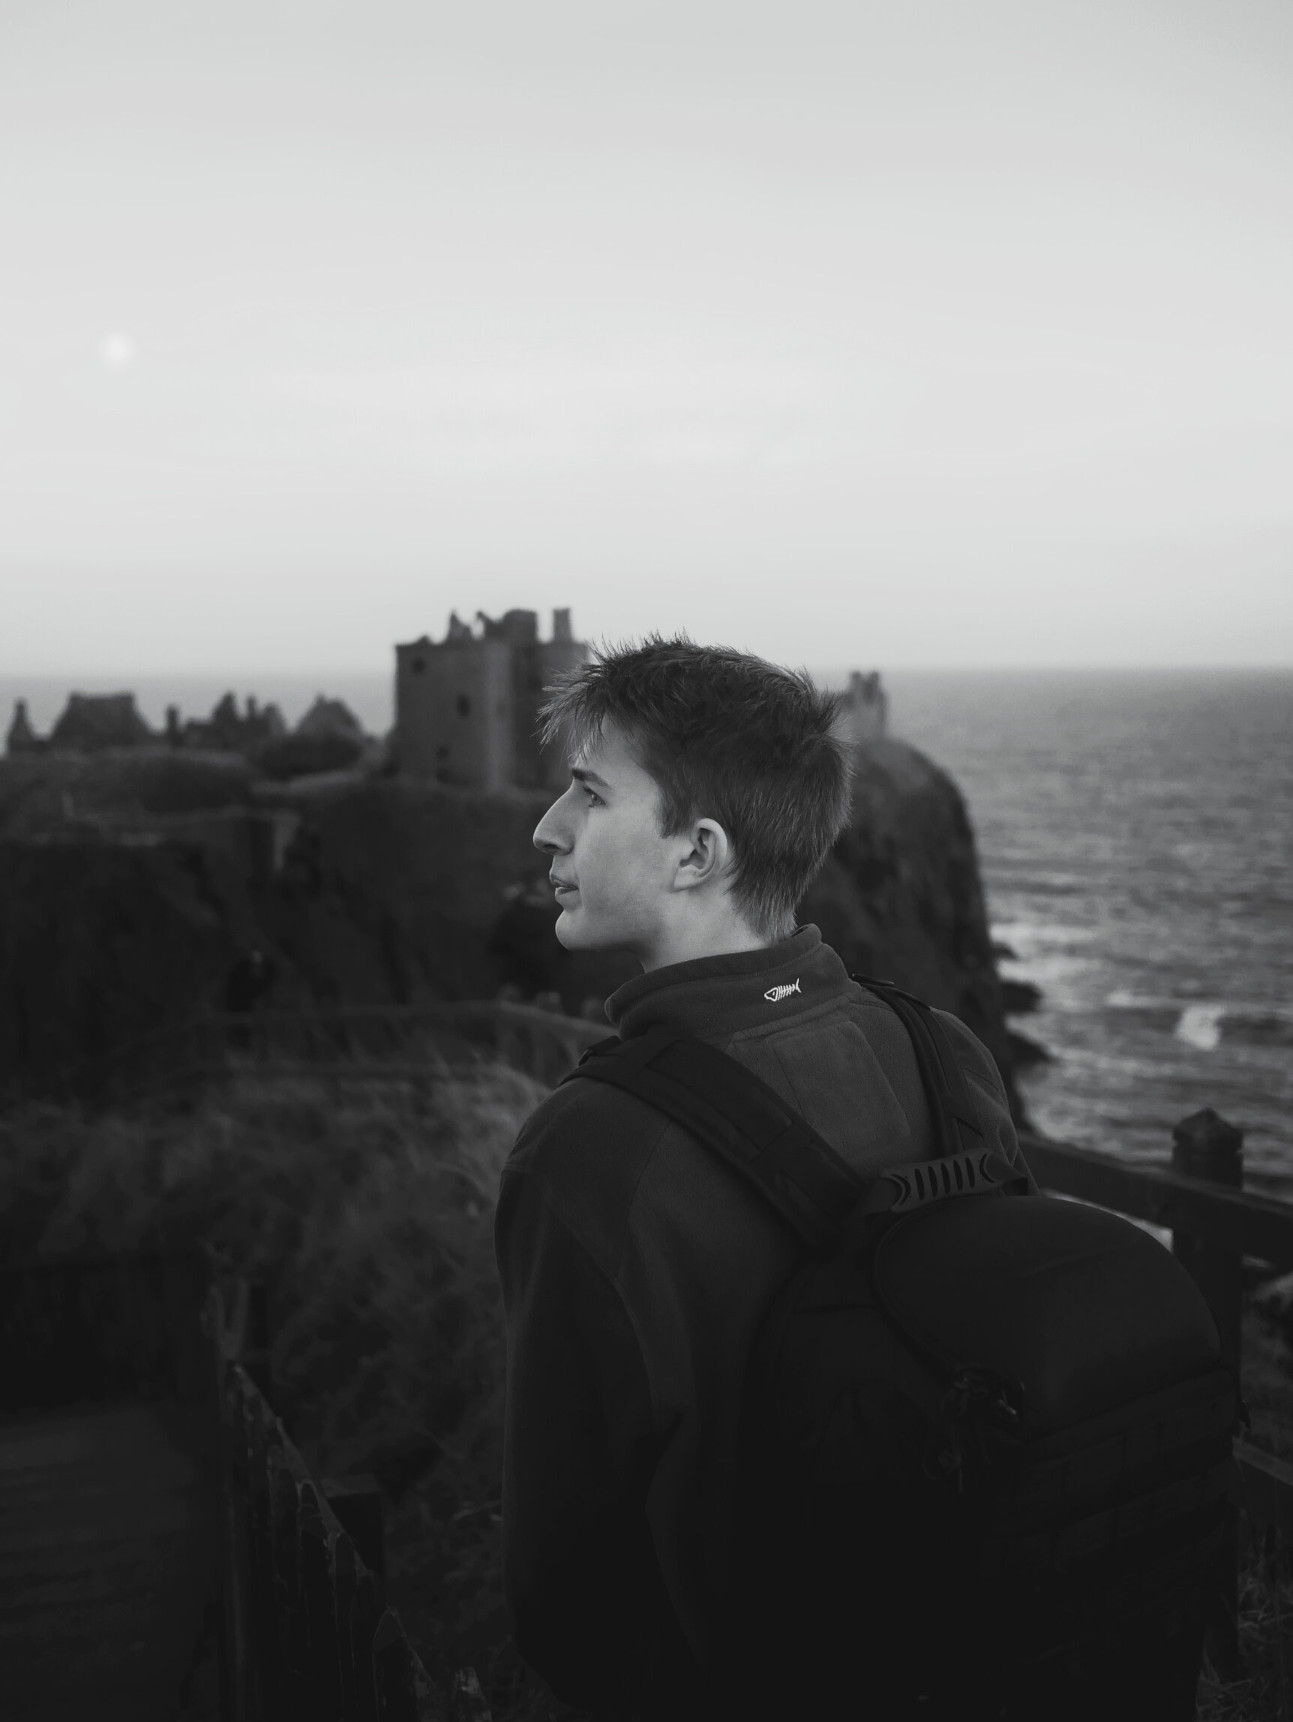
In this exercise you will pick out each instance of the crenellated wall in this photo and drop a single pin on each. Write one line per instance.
(466, 707)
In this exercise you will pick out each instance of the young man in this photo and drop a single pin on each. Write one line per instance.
(706, 790)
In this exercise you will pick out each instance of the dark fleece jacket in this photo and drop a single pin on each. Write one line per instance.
(635, 1268)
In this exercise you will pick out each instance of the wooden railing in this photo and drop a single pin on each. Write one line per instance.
(307, 1632)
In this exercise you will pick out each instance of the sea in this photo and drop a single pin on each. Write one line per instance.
(1135, 835)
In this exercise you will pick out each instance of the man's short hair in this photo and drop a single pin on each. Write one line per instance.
(726, 736)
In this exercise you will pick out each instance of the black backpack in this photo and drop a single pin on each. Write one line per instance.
(987, 1433)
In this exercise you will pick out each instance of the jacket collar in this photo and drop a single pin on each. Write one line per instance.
(716, 997)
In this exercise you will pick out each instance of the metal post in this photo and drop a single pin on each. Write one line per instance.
(1205, 1146)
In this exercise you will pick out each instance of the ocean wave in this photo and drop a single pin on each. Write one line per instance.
(1142, 790)
(1206, 1023)
(1200, 1025)
(1122, 998)
(1024, 936)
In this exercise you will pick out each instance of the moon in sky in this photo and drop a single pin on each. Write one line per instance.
(117, 351)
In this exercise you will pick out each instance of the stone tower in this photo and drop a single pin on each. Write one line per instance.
(466, 707)
(864, 710)
(22, 738)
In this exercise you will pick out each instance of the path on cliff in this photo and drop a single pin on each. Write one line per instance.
(107, 1563)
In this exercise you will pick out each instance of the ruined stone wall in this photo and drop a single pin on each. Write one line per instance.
(466, 708)
(864, 713)
(495, 721)
(91, 721)
(414, 679)
(540, 767)
(453, 711)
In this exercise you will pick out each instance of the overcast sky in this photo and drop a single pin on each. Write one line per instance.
(935, 332)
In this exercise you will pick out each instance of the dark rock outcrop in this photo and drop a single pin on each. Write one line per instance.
(305, 754)
(394, 890)
(1020, 998)
(42, 795)
(364, 889)
(102, 945)
(900, 897)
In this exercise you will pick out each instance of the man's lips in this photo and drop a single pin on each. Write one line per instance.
(560, 884)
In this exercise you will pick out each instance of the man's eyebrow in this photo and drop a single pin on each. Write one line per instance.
(582, 776)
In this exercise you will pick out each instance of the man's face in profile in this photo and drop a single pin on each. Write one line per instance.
(611, 868)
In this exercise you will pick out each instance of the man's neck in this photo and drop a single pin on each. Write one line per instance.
(686, 944)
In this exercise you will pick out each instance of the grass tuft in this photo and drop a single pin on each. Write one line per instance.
(1263, 1691)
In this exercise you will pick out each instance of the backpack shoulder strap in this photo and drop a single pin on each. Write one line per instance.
(955, 1120)
(739, 1117)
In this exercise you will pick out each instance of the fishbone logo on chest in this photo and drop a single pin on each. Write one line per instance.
(775, 993)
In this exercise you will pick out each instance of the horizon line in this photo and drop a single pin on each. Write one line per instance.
(1034, 667)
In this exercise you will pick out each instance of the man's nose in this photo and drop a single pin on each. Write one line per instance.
(550, 834)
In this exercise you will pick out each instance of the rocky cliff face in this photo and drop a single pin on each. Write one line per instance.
(379, 890)
(900, 897)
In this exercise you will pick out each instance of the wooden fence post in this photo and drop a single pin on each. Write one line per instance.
(345, 1577)
(261, 1442)
(357, 1501)
(467, 1703)
(290, 1603)
(318, 1592)
(401, 1696)
(366, 1611)
(235, 1650)
(1205, 1146)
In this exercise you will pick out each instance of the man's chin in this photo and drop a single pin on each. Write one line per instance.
(568, 931)
(575, 934)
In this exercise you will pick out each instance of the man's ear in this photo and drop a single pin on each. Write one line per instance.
(708, 857)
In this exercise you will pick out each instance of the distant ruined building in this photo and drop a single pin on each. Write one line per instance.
(227, 730)
(466, 707)
(864, 713)
(21, 737)
(466, 713)
(329, 732)
(330, 717)
(92, 721)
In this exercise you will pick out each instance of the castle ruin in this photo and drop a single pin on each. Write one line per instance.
(89, 722)
(466, 707)
(21, 737)
(864, 708)
(96, 722)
